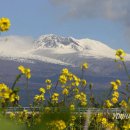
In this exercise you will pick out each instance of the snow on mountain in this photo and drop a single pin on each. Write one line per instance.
(54, 41)
(19, 49)
(65, 45)
(56, 49)
(70, 50)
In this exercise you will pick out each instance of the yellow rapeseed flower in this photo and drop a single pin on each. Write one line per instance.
(83, 103)
(73, 118)
(54, 97)
(65, 71)
(65, 91)
(13, 97)
(123, 104)
(48, 87)
(126, 127)
(62, 79)
(83, 82)
(114, 85)
(104, 121)
(84, 66)
(76, 90)
(47, 109)
(70, 76)
(72, 107)
(6, 94)
(78, 96)
(48, 81)
(108, 104)
(42, 90)
(39, 97)
(110, 126)
(4, 24)
(115, 94)
(118, 82)
(25, 71)
(12, 115)
(57, 124)
(22, 69)
(114, 100)
(120, 54)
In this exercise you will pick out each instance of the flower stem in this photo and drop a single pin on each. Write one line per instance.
(16, 80)
(126, 70)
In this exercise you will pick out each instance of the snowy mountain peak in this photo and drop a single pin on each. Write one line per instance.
(60, 42)
(54, 41)
(55, 49)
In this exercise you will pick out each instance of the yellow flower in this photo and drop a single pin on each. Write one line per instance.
(6, 94)
(12, 97)
(63, 79)
(76, 90)
(72, 107)
(25, 71)
(110, 125)
(65, 71)
(114, 85)
(42, 90)
(83, 103)
(104, 121)
(84, 66)
(76, 83)
(12, 115)
(118, 82)
(17, 97)
(73, 118)
(120, 54)
(48, 81)
(39, 97)
(108, 104)
(126, 127)
(78, 96)
(115, 94)
(65, 91)
(47, 109)
(70, 76)
(54, 97)
(83, 99)
(57, 124)
(83, 82)
(4, 24)
(114, 100)
(124, 104)
(22, 69)
(48, 87)
(99, 117)
(76, 79)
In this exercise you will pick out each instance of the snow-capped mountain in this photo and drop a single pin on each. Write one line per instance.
(53, 48)
(59, 50)
(54, 41)
(65, 45)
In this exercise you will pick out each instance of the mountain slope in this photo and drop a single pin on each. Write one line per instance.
(60, 50)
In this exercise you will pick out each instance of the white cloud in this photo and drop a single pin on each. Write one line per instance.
(15, 45)
(114, 10)
(111, 9)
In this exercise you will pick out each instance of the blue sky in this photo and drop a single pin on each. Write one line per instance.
(70, 18)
